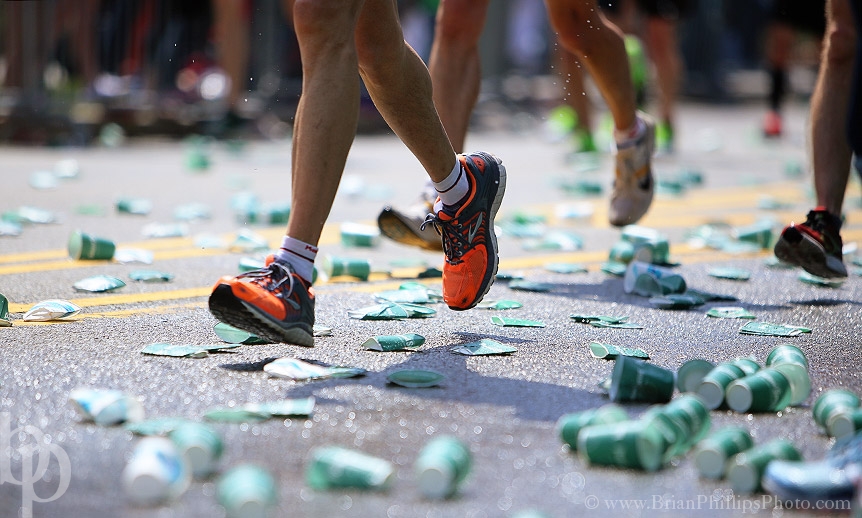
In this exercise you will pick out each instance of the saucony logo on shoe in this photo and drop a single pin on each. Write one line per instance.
(474, 229)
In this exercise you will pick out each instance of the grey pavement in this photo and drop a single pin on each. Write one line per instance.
(503, 407)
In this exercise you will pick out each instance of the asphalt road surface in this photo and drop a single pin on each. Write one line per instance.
(503, 407)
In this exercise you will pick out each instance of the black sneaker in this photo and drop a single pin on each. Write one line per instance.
(274, 303)
(814, 245)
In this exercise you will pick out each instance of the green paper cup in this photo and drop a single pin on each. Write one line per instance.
(671, 429)
(745, 469)
(200, 445)
(747, 365)
(570, 425)
(442, 466)
(844, 423)
(786, 353)
(691, 374)
(629, 444)
(714, 451)
(333, 467)
(832, 402)
(247, 491)
(800, 381)
(87, 247)
(333, 266)
(767, 390)
(637, 380)
(711, 389)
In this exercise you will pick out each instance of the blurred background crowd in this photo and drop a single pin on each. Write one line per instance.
(69, 69)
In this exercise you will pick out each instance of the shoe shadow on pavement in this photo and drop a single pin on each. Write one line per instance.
(530, 400)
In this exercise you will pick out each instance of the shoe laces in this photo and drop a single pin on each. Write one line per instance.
(272, 277)
(453, 233)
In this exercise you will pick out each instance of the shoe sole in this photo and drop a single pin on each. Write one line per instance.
(495, 206)
(810, 256)
(395, 228)
(227, 308)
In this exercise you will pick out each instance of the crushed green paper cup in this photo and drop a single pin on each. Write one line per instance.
(156, 426)
(415, 378)
(192, 212)
(5, 318)
(566, 268)
(483, 347)
(730, 312)
(9, 228)
(615, 268)
(706, 296)
(819, 281)
(165, 230)
(588, 319)
(562, 241)
(615, 325)
(99, 284)
(434, 295)
(233, 335)
(770, 329)
(251, 412)
(430, 273)
(382, 311)
(611, 352)
(136, 206)
(249, 264)
(53, 309)
(36, 215)
(334, 467)
(499, 304)
(150, 276)
(183, 350)
(676, 301)
(508, 276)
(394, 342)
(133, 255)
(515, 322)
(321, 330)
(729, 273)
(418, 310)
(247, 241)
(299, 370)
(523, 285)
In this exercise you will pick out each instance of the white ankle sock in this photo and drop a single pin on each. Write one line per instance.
(627, 137)
(452, 189)
(298, 254)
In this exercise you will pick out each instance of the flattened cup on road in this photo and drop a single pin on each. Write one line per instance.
(628, 444)
(691, 374)
(712, 453)
(759, 233)
(53, 309)
(356, 234)
(767, 390)
(442, 466)
(394, 342)
(832, 402)
(411, 378)
(786, 353)
(201, 446)
(247, 491)
(334, 266)
(637, 380)
(106, 407)
(333, 467)
(745, 470)
(156, 473)
(569, 426)
(89, 247)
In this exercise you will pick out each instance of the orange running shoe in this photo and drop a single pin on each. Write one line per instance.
(469, 242)
(274, 303)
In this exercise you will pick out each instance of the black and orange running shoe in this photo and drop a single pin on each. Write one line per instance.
(469, 242)
(273, 302)
(814, 245)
